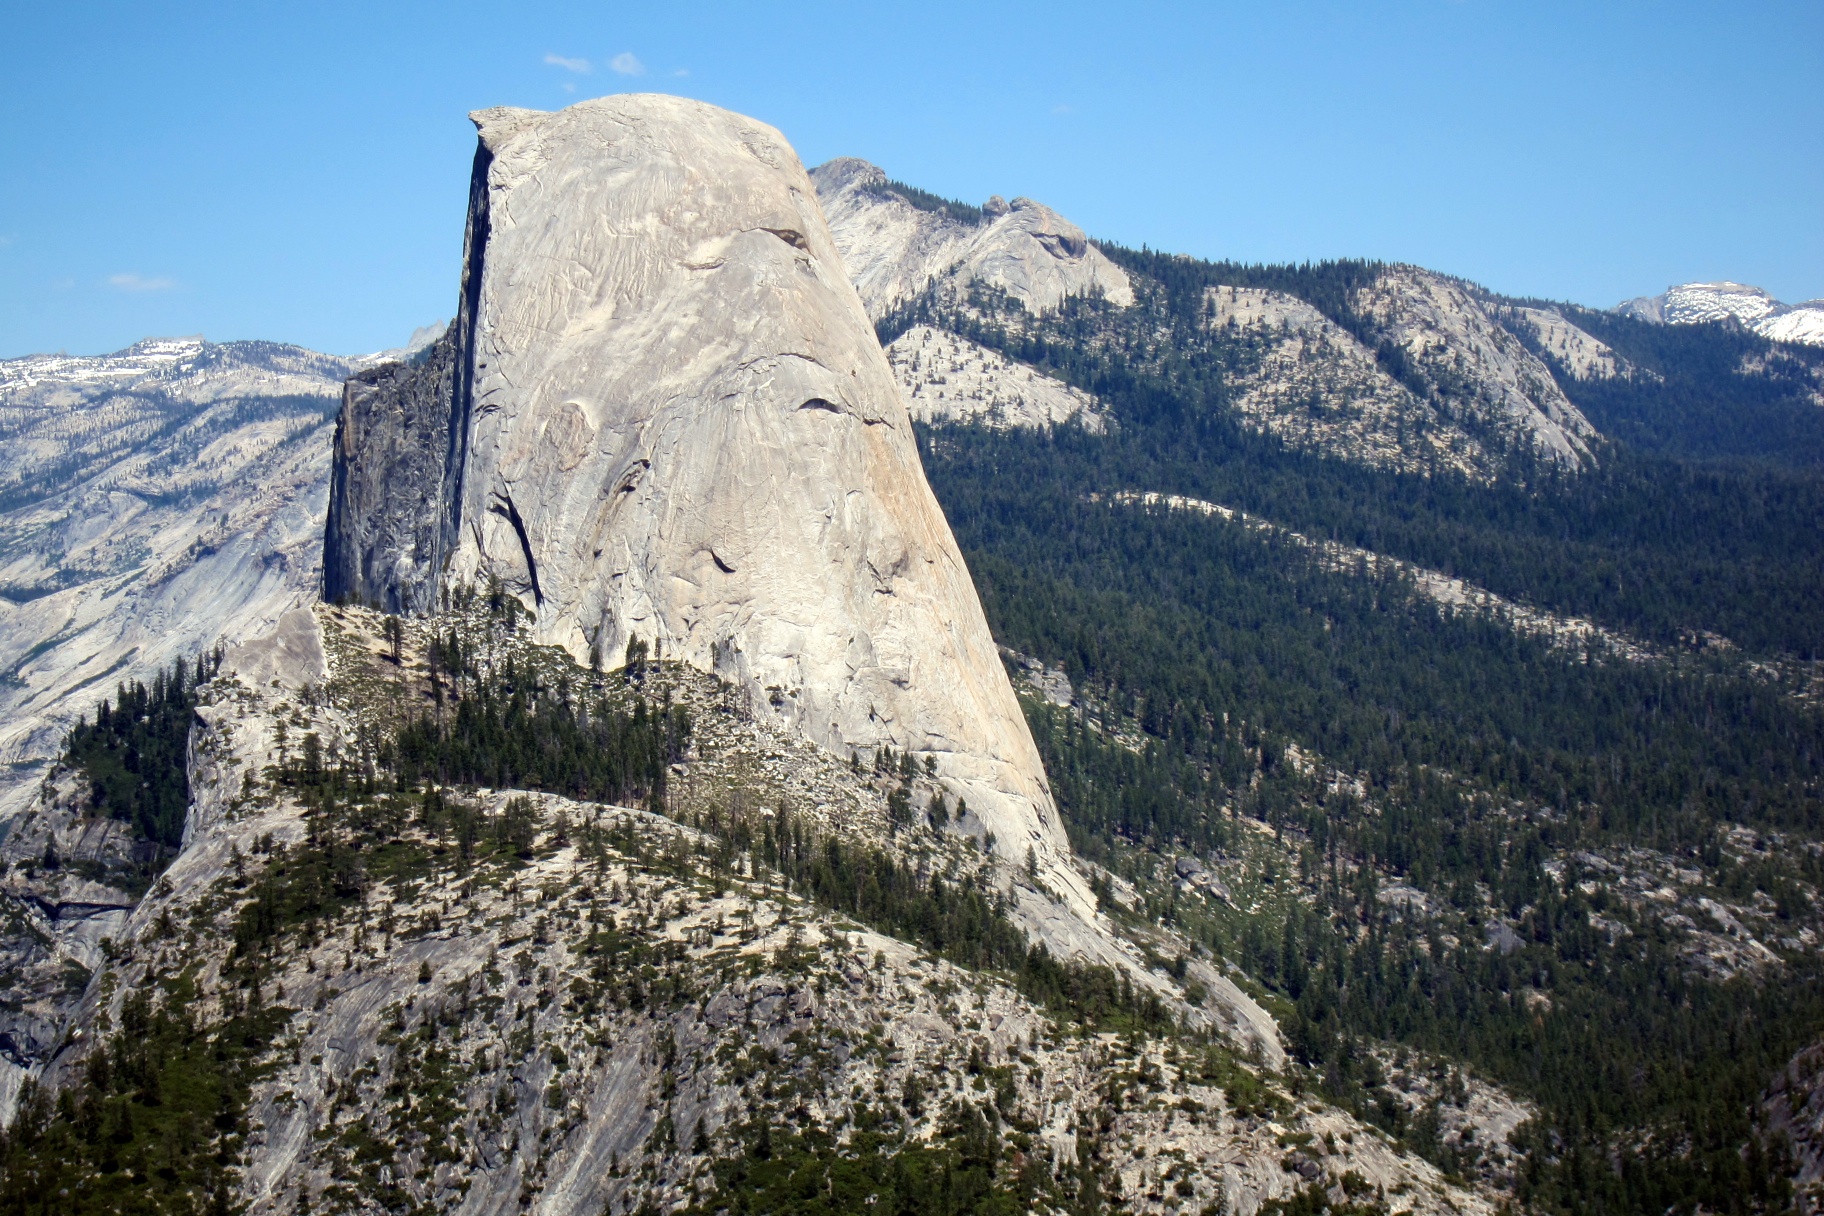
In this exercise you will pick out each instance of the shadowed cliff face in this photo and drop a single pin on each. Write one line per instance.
(662, 413)
(383, 537)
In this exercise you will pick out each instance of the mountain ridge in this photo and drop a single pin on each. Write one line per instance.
(1752, 307)
(476, 911)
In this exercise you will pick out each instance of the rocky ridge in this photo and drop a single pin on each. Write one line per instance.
(896, 245)
(1427, 374)
(1465, 389)
(1460, 352)
(1694, 303)
(602, 1015)
(154, 502)
(1315, 385)
(1416, 371)
(1579, 353)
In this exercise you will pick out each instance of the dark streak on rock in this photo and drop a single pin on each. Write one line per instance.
(503, 506)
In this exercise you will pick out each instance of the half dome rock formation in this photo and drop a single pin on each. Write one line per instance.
(898, 242)
(662, 413)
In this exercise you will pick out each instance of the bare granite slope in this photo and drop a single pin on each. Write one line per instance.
(152, 503)
(1431, 378)
(1464, 392)
(669, 419)
(948, 378)
(1313, 384)
(587, 1025)
(1582, 354)
(895, 249)
(1462, 356)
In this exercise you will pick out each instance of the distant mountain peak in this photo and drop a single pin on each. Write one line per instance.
(896, 240)
(1754, 307)
(849, 170)
(420, 341)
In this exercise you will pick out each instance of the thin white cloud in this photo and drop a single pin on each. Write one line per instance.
(682, 72)
(1061, 109)
(579, 66)
(135, 282)
(627, 64)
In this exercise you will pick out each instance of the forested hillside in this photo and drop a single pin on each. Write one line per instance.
(1589, 873)
(1655, 545)
(1712, 392)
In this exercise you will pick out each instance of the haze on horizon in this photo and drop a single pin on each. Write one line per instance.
(290, 174)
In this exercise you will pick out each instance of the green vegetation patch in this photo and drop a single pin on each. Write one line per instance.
(133, 754)
(156, 1120)
(965, 1170)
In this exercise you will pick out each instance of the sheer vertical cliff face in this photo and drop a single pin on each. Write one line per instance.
(384, 534)
(668, 418)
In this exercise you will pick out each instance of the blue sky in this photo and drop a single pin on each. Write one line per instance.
(298, 172)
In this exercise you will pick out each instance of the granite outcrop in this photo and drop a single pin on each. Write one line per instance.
(665, 417)
(897, 245)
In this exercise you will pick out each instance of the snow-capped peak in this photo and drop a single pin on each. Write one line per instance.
(147, 357)
(1692, 303)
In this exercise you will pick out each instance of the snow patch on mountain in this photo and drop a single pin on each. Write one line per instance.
(1694, 303)
(180, 369)
(1800, 323)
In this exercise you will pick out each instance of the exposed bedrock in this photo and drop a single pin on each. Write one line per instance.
(668, 417)
(386, 492)
(895, 249)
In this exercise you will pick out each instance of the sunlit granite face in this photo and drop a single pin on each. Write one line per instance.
(672, 420)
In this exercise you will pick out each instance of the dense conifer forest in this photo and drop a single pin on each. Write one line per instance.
(132, 754)
(1716, 393)
(1226, 675)
(1655, 545)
